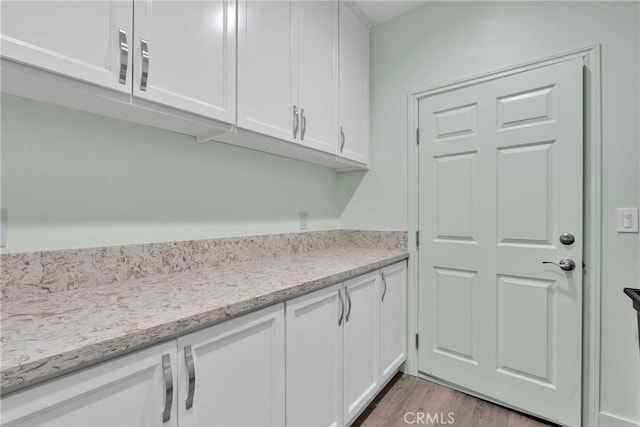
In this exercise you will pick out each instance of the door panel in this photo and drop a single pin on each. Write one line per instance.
(500, 180)
(361, 343)
(267, 67)
(318, 65)
(191, 47)
(126, 391)
(393, 319)
(239, 372)
(78, 39)
(314, 359)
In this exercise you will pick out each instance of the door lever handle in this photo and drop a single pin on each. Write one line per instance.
(565, 264)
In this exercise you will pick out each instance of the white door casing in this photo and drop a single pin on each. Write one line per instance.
(500, 179)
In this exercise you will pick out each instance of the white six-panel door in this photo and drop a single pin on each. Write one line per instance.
(500, 181)
(186, 49)
(78, 39)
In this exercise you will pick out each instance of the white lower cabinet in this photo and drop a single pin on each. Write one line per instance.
(361, 343)
(127, 391)
(342, 344)
(232, 374)
(314, 358)
(393, 319)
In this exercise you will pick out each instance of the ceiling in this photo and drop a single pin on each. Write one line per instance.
(382, 10)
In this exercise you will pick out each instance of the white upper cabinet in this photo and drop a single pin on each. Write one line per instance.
(184, 55)
(267, 86)
(318, 74)
(287, 71)
(84, 40)
(354, 85)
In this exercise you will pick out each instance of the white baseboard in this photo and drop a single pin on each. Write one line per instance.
(610, 420)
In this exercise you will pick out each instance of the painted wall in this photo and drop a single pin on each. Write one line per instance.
(441, 42)
(72, 179)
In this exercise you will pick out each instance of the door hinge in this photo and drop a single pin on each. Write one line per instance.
(417, 239)
(417, 341)
(418, 136)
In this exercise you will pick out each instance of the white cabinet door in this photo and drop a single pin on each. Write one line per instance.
(354, 85)
(361, 343)
(393, 319)
(238, 372)
(314, 358)
(186, 50)
(127, 391)
(78, 39)
(267, 68)
(318, 78)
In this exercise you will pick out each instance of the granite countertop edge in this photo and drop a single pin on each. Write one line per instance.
(18, 376)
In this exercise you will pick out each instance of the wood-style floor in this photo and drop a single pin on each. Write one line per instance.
(409, 400)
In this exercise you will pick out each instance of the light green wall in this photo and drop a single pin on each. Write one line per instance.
(72, 179)
(441, 42)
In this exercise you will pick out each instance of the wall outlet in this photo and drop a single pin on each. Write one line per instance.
(627, 219)
(3, 228)
(304, 220)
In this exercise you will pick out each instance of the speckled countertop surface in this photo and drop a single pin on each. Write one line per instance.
(45, 335)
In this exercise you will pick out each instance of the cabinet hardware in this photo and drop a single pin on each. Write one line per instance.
(124, 55)
(191, 371)
(343, 138)
(417, 239)
(341, 307)
(418, 136)
(304, 124)
(144, 48)
(168, 387)
(296, 121)
(417, 341)
(346, 292)
(384, 282)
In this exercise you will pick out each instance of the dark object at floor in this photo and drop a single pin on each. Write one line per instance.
(634, 294)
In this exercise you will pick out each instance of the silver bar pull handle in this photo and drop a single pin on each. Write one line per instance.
(144, 48)
(168, 387)
(346, 292)
(124, 55)
(191, 371)
(384, 282)
(342, 138)
(341, 307)
(296, 122)
(304, 124)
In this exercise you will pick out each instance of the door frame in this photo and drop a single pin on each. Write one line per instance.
(592, 252)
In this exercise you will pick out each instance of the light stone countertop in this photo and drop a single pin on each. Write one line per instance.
(45, 335)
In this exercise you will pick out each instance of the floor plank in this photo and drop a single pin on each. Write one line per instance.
(409, 400)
